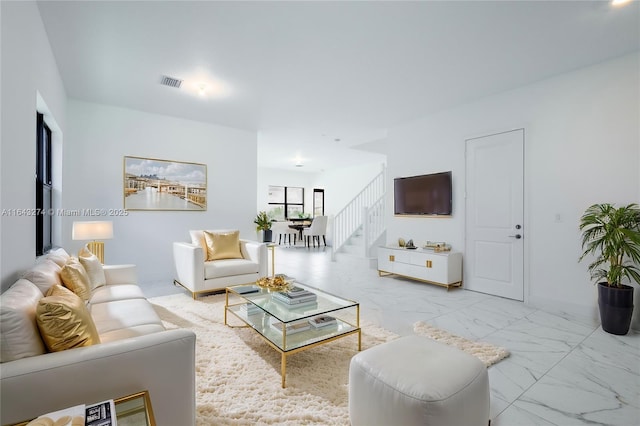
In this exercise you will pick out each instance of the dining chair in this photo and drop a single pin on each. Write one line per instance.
(282, 229)
(318, 228)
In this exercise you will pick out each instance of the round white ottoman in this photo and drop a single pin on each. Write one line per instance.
(414, 380)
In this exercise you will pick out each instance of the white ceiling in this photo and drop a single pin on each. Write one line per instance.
(303, 74)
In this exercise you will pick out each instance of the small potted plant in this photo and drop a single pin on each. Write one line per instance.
(263, 223)
(612, 235)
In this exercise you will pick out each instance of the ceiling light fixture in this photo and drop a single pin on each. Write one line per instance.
(202, 89)
(619, 2)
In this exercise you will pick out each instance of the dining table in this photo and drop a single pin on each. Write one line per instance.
(300, 224)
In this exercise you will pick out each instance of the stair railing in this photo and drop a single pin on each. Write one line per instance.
(348, 220)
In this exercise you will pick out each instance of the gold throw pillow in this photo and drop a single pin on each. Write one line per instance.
(223, 245)
(64, 321)
(75, 278)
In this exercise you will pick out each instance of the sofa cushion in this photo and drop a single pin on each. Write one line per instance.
(44, 275)
(229, 267)
(126, 333)
(19, 335)
(75, 278)
(64, 321)
(111, 293)
(223, 245)
(122, 314)
(93, 267)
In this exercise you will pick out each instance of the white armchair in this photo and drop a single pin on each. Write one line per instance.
(200, 276)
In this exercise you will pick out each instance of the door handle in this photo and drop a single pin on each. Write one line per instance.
(517, 236)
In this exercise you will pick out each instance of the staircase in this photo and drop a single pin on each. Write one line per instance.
(359, 226)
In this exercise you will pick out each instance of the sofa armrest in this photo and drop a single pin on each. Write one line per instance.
(257, 252)
(120, 274)
(189, 263)
(162, 363)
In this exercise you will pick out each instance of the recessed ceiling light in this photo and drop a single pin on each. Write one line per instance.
(202, 89)
(619, 2)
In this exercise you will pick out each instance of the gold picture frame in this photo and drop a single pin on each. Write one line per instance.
(154, 184)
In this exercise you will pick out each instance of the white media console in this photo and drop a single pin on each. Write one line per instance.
(440, 268)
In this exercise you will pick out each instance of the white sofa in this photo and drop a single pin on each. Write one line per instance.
(135, 353)
(200, 276)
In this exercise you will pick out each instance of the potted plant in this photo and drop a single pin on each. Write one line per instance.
(612, 235)
(263, 223)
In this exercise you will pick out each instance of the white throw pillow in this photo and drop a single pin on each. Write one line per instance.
(93, 267)
(58, 255)
(19, 335)
(44, 275)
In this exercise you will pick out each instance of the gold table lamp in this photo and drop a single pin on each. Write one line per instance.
(93, 230)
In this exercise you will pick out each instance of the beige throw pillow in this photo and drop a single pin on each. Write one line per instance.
(19, 335)
(75, 278)
(223, 245)
(93, 267)
(44, 275)
(64, 321)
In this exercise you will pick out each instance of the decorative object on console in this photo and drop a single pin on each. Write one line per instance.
(401, 242)
(152, 184)
(437, 246)
(263, 223)
(93, 230)
(410, 245)
(612, 235)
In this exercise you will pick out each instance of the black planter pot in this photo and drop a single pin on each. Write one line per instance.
(616, 308)
(266, 235)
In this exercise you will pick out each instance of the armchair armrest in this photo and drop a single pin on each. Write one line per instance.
(257, 252)
(162, 363)
(189, 263)
(120, 274)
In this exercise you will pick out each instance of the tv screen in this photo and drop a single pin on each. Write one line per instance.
(423, 195)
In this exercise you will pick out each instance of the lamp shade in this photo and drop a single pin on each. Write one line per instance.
(97, 230)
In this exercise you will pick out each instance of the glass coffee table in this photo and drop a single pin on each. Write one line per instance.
(259, 308)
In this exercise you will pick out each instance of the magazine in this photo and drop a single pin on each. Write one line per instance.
(101, 414)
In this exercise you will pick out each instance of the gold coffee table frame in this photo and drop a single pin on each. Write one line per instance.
(347, 324)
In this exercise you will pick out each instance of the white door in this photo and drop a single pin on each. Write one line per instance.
(494, 214)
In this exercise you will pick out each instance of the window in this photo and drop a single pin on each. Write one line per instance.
(285, 202)
(318, 202)
(44, 193)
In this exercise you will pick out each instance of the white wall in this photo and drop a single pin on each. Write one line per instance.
(28, 69)
(98, 137)
(582, 143)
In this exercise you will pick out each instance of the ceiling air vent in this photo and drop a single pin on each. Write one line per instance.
(171, 82)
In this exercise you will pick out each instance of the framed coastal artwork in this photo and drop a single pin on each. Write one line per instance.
(152, 184)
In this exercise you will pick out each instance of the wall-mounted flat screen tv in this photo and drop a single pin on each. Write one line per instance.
(423, 195)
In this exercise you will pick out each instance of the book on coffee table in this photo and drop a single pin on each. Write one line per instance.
(292, 327)
(322, 321)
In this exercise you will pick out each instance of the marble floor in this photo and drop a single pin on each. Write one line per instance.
(562, 370)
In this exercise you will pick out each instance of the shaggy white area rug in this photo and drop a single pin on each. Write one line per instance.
(238, 373)
(488, 353)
